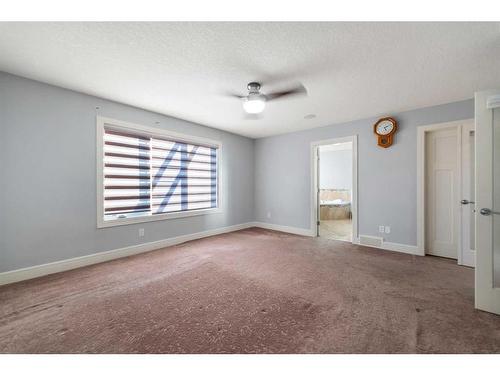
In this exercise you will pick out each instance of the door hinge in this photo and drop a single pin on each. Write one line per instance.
(317, 223)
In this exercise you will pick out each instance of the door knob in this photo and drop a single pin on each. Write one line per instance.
(465, 201)
(488, 212)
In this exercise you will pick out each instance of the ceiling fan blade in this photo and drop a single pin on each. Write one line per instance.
(299, 90)
(258, 71)
(232, 94)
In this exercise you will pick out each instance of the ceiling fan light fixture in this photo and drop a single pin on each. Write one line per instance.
(254, 104)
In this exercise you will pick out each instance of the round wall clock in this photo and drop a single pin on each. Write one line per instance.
(385, 129)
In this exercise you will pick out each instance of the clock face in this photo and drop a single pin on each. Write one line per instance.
(384, 127)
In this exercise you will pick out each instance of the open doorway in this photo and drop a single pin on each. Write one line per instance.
(335, 187)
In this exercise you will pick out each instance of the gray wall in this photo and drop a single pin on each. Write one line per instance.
(335, 169)
(386, 182)
(48, 176)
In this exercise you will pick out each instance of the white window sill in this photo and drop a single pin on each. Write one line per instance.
(144, 219)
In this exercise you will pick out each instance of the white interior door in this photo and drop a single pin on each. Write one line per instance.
(468, 253)
(442, 197)
(487, 109)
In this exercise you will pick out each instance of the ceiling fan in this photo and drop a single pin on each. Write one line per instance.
(255, 101)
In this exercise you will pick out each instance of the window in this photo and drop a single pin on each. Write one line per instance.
(149, 174)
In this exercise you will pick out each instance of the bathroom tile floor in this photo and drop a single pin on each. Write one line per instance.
(336, 229)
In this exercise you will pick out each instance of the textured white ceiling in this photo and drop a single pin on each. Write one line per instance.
(351, 70)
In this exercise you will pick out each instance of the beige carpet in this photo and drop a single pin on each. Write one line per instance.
(252, 291)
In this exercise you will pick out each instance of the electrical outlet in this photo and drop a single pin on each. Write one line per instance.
(141, 232)
(387, 229)
(268, 214)
(381, 229)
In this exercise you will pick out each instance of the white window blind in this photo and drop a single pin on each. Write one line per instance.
(148, 175)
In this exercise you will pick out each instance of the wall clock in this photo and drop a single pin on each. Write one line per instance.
(385, 129)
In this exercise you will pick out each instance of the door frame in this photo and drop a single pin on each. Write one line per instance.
(468, 254)
(314, 182)
(421, 180)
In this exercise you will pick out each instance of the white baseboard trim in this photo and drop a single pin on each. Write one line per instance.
(86, 260)
(284, 228)
(393, 246)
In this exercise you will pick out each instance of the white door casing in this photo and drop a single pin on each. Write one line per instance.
(318, 201)
(467, 257)
(315, 182)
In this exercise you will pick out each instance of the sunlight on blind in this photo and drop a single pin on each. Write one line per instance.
(146, 175)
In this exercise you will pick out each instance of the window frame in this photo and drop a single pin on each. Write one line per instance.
(101, 123)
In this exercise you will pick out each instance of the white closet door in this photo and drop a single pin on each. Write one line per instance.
(442, 206)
